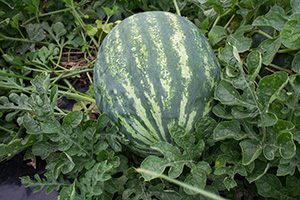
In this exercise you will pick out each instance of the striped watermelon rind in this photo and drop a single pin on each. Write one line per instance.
(154, 70)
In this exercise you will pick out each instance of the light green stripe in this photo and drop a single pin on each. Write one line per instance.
(118, 70)
(165, 78)
(178, 44)
(191, 120)
(141, 60)
(207, 66)
(140, 133)
(113, 56)
(161, 61)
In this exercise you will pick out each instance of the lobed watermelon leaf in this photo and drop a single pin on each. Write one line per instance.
(176, 157)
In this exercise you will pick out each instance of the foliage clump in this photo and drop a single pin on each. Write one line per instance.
(250, 149)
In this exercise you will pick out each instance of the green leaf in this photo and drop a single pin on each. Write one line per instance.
(292, 186)
(110, 12)
(267, 119)
(228, 130)
(260, 169)
(290, 34)
(270, 186)
(137, 189)
(287, 147)
(14, 105)
(295, 5)
(239, 41)
(228, 95)
(62, 164)
(94, 178)
(268, 48)
(14, 147)
(43, 149)
(36, 3)
(59, 29)
(32, 126)
(273, 19)
(270, 86)
(220, 111)
(73, 119)
(251, 149)
(35, 32)
(288, 166)
(254, 61)
(269, 151)
(204, 127)
(196, 179)
(172, 158)
(91, 30)
(51, 127)
(44, 55)
(15, 21)
(41, 84)
(192, 148)
(216, 34)
(229, 183)
(39, 183)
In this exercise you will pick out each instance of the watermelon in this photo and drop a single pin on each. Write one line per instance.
(154, 70)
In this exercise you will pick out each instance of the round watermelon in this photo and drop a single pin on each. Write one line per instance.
(154, 70)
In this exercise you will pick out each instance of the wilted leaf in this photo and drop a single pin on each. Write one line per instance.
(295, 4)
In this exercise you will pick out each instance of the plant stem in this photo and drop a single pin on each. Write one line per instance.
(31, 41)
(184, 185)
(76, 95)
(46, 14)
(261, 33)
(177, 8)
(286, 50)
(72, 73)
(220, 16)
(280, 68)
(8, 130)
(228, 23)
(23, 40)
(76, 15)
